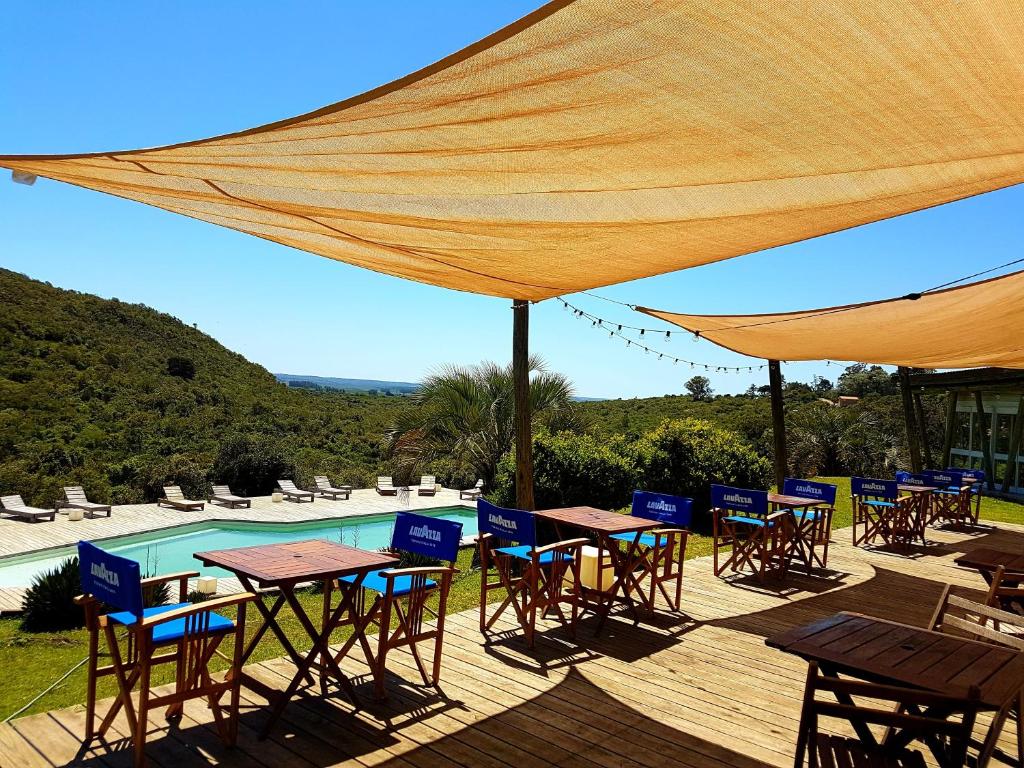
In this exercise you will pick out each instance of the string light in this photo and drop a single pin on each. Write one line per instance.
(615, 331)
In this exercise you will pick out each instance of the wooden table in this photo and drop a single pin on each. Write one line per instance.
(888, 652)
(986, 561)
(604, 525)
(284, 567)
(920, 512)
(799, 533)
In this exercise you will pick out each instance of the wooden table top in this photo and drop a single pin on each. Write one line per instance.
(782, 500)
(598, 520)
(988, 559)
(889, 652)
(312, 560)
(917, 488)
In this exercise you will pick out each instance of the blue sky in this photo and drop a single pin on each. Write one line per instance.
(101, 76)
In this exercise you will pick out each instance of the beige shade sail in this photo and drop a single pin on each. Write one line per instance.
(976, 325)
(598, 141)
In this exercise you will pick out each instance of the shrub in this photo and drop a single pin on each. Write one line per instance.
(49, 602)
(251, 464)
(182, 367)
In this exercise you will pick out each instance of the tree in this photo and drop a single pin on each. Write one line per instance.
(182, 367)
(859, 380)
(699, 388)
(467, 414)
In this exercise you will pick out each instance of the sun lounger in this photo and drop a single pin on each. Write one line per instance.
(74, 498)
(324, 488)
(474, 493)
(223, 496)
(13, 505)
(294, 494)
(428, 486)
(173, 497)
(385, 487)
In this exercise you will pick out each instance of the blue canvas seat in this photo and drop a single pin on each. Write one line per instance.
(187, 635)
(536, 580)
(646, 539)
(402, 596)
(745, 530)
(809, 528)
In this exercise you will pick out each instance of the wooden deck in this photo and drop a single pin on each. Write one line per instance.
(698, 690)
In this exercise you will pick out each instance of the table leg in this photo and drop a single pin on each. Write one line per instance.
(861, 728)
(269, 616)
(620, 564)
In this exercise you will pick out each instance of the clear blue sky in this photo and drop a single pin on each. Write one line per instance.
(101, 76)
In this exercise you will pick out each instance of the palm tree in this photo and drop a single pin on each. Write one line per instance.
(467, 414)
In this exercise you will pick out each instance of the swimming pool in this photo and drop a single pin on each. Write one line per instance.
(171, 550)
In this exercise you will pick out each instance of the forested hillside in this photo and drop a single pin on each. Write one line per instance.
(121, 398)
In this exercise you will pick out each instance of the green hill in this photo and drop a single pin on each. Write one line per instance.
(121, 398)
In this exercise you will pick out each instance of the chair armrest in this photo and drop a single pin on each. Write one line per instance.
(207, 605)
(681, 531)
(567, 544)
(780, 513)
(169, 577)
(394, 573)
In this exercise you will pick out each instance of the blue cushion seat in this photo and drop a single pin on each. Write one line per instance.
(377, 583)
(523, 553)
(172, 630)
(877, 503)
(749, 521)
(814, 513)
(646, 539)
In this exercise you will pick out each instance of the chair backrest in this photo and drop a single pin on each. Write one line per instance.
(111, 579)
(749, 502)
(912, 478)
(384, 482)
(516, 525)
(931, 719)
(479, 484)
(960, 616)
(676, 511)
(429, 536)
(873, 488)
(321, 481)
(173, 492)
(286, 485)
(428, 480)
(946, 478)
(74, 493)
(971, 475)
(12, 501)
(809, 489)
(222, 490)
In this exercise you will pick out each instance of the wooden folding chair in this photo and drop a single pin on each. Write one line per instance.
(662, 550)
(536, 580)
(184, 634)
(741, 520)
(912, 715)
(951, 501)
(402, 595)
(922, 510)
(976, 477)
(959, 616)
(810, 527)
(1005, 591)
(880, 512)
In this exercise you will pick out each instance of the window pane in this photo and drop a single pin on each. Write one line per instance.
(962, 431)
(1004, 428)
(1000, 471)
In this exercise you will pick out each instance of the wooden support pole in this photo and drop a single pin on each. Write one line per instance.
(913, 442)
(947, 441)
(922, 427)
(986, 441)
(778, 422)
(1014, 452)
(521, 394)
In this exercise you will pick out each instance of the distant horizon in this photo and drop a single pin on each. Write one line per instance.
(280, 307)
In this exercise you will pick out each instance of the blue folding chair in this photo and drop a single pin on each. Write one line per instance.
(921, 507)
(880, 512)
(977, 478)
(741, 520)
(811, 526)
(536, 580)
(662, 551)
(951, 501)
(185, 634)
(402, 595)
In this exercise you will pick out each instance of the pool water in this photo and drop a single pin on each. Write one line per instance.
(171, 551)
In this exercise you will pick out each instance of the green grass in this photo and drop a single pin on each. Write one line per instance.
(40, 658)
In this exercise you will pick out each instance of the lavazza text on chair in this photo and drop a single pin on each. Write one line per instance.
(173, 497)
(13, 505)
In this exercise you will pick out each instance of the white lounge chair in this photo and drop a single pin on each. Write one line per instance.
(223, 496)
(324, 488)
(385, 487)
(13, 505)
(474, 493)
(173, 497)
(428, 486)
(295, 494)
(74, 498)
